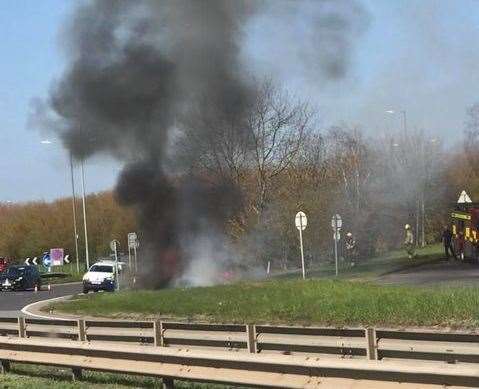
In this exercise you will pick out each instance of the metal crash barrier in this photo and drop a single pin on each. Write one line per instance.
(274, 356)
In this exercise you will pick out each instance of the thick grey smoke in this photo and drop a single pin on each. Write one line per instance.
(137, 69)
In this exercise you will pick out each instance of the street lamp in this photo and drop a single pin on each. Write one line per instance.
(75, 231)
(87, 255)
(403, 113)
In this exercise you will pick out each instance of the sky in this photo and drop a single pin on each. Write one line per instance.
(419, 56)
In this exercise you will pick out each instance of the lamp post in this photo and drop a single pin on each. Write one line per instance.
(74, 209)
(404, 117)
(75, 231)
(87, 255)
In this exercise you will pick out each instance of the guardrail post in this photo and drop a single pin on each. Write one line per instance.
(81, 330)
(4, 366)
(168, 383)
(251, 334)
(22, 328)
(159, 340)
(372, 344)
(76, 373)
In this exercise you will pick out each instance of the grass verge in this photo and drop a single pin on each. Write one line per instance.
(31, 376)
(314, 301)
(368, 269)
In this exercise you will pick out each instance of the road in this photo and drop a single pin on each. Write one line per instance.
(451, 273)
(11, 303)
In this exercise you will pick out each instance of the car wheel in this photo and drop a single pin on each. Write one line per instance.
(85, 291)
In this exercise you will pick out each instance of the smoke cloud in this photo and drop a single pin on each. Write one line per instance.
(137, 69)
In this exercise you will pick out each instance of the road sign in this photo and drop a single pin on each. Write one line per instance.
(56, 256)
(114, 244)
(35, 261)
(464, 198)
(27, 261)
(67, 258)
(132, 240)
(336, 222)
(301, 221)
(47, 261)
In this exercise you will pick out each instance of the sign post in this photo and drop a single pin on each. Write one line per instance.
(114, 247)
(301, 222)
(132, 245)
(336, 224)
(56, 257)
(47, 262)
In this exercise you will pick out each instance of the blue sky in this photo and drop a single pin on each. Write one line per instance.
(31, 60)
(421, 56)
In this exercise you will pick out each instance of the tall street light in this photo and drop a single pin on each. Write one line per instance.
(87, 255)
(74, 209)
(75, 231)
(404, 117)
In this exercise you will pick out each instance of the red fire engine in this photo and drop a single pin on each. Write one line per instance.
(465, 230)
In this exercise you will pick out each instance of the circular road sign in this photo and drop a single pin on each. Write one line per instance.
(336, 222)
(301, 221)
(114, 244)
(47, 261)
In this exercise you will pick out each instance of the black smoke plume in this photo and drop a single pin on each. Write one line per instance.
(136, 69)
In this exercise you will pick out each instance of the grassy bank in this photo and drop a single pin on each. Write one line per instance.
(326, 302)
(30, 376)
(368, 269)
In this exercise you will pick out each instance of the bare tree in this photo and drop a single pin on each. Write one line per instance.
(278, 127)
(351, 160)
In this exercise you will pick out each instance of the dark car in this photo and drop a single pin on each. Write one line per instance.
(20, 278)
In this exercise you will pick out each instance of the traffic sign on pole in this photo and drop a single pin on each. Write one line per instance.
(114, 244)
(56, 256)
(132, 239)
(336, 223)
(301, 222)
(47, 262)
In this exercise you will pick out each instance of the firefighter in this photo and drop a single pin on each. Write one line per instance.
(409, 241)
(350, 245)
(447, 240)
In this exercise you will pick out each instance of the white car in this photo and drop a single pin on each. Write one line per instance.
(100, 276)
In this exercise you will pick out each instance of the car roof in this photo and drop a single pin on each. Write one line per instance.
(110, 263)
(103, 264)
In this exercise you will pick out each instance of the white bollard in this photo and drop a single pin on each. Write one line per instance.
(49, 288)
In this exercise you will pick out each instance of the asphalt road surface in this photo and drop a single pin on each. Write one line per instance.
(11, 303)
(450, 273)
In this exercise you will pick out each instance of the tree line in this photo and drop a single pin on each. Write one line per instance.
(282, 163)
(29, 229)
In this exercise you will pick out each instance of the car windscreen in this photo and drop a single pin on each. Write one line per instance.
(101, 269)
(15, 272)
